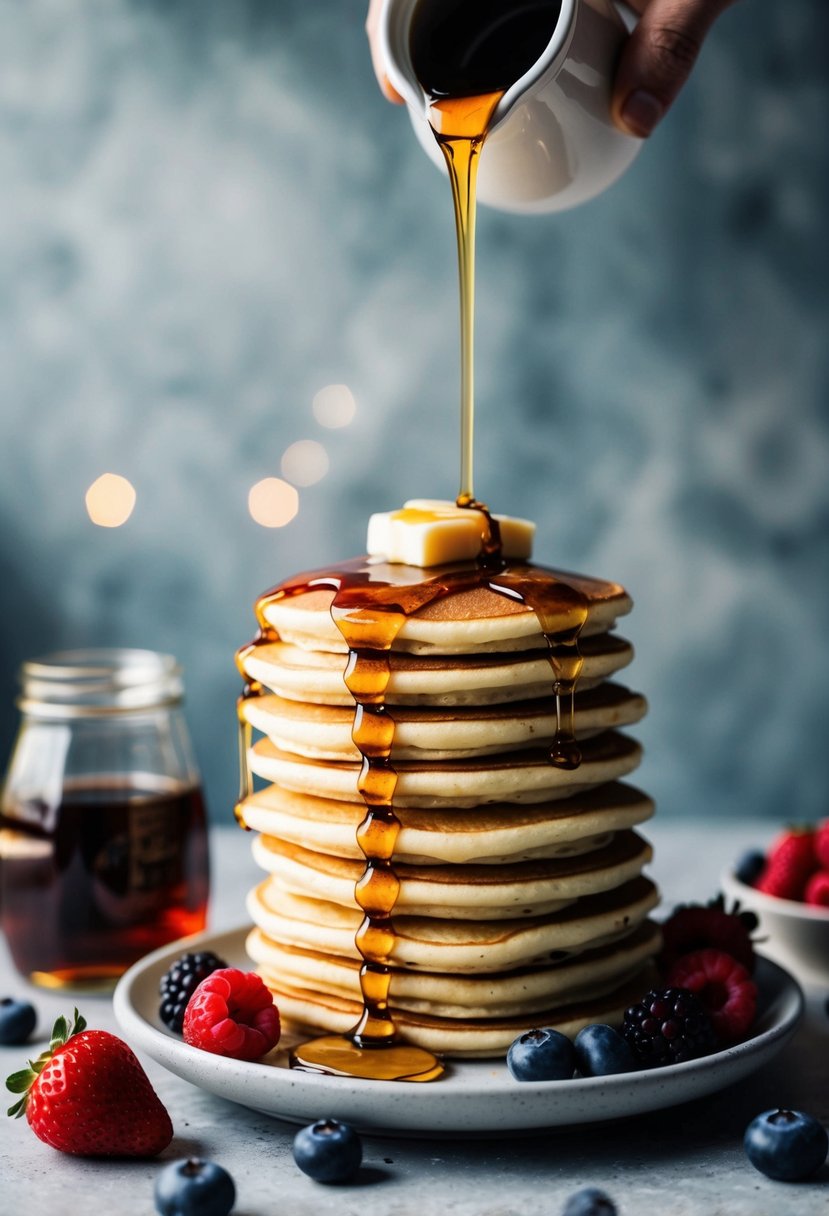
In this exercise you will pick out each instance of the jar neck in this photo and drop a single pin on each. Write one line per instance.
(99, 683)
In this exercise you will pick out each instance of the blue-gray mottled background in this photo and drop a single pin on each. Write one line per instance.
(207, 213)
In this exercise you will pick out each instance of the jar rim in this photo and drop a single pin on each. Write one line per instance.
(99, 680)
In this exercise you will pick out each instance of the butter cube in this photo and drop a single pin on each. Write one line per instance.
(431, 532)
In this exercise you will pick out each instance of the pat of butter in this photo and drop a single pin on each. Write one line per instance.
(429, 532)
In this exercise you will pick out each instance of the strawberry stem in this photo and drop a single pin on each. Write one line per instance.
(21, 1082)
(62, 1032)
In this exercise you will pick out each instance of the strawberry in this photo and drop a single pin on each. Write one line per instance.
(88, 1095)
(822, 844)
(724, 987)
(790, 863)
(817, 890)
(696, 926)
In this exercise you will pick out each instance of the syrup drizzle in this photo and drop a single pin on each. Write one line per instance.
(370, 636)
(244, 737)
(460, 125)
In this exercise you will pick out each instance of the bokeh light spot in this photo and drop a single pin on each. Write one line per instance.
(305, 462)
(334, 406)
(110, 500)
(272, 502)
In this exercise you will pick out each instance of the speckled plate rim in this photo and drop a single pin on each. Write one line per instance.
(476, 1098)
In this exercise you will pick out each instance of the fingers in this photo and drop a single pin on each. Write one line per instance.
(658, 58)
(372, 25)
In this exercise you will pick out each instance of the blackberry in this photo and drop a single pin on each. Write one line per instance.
(700, 926)
(667, 1027)
(180, 982)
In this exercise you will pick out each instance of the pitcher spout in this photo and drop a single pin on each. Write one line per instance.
(551, 142)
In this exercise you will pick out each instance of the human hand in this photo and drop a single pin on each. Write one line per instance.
(657, 59)
(654, 65)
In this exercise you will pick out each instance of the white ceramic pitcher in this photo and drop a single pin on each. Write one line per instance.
(552, 143)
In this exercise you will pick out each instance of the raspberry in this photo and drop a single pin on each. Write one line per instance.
(822, 844)
(667, 1027)
(180, 982)
(817, 890)
(725, 988)
(790, 863)
(232, 1013)
(697, 926)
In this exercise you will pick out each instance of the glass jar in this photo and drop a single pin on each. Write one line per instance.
(103, 838)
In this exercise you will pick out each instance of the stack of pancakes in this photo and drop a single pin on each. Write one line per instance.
(522, 901)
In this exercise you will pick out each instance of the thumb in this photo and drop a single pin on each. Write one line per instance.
(657, 60)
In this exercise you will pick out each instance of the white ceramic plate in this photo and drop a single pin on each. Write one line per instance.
(475, 1098)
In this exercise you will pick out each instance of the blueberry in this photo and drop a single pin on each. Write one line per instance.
(786, 1144)
(541, 1055)
(328, 1151)
(17, 1021)
(749, 866)
(589, 1202)
(194, 1188)
(601, 1051)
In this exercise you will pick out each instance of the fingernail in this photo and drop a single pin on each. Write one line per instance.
(641, 112)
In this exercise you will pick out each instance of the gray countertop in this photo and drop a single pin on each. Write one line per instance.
(686, 1161)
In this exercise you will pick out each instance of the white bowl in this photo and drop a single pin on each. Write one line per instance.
(793, 934)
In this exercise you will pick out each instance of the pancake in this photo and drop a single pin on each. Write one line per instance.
(472, 620)
(308, 1011)
(323, 732)
(483, 834)
(521, 889)
(519, 776)
(454, 945)
(507, 994)
(316, 676)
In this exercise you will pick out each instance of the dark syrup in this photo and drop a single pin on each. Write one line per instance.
(90, 884)
(463, 48)
(466, 54)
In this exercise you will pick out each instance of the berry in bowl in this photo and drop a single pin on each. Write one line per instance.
(787, 887)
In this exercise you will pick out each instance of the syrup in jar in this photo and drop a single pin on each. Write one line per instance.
(103, 837)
